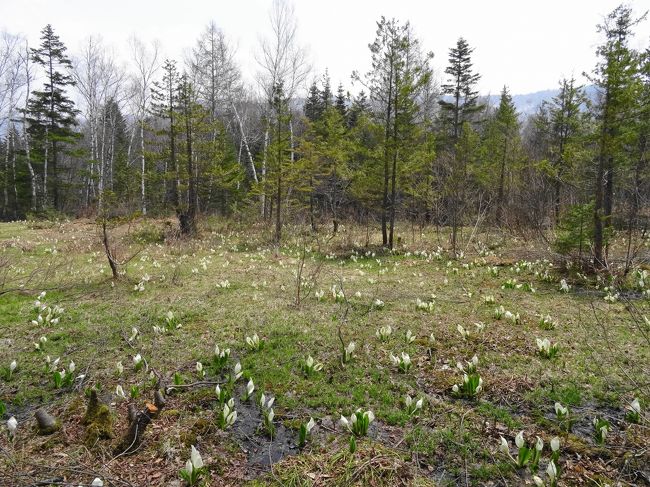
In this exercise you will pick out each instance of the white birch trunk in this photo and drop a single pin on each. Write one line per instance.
(143, 168)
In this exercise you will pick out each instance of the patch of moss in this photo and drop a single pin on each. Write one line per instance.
(171, 413)
(101, 427)
(201, 427)
(92, 409)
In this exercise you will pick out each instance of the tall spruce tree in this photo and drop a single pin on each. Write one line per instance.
(313, 108)
(398, 74)
(190, 115)
(616, 77)
(341, 101)
(360, 106)
(460, 87)
(165, 105)
(503, 145)
(457, 112)
(279, 152)
(326, 92)
(564, 122)
(50, 114)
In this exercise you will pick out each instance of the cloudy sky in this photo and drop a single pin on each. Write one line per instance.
(528, 45)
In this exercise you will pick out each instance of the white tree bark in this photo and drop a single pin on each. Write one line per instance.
(99, 81)
(145, 61)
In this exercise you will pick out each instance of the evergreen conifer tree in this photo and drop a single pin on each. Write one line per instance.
(341, 101)
(165, 105)
(460, 87)
(50, 113)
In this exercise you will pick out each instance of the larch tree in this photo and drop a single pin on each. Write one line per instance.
(279, 161)
(218, 83)
(637, 190)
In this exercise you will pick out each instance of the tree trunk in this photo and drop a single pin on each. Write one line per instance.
(143, 200)
(251, 165)
(558, 188)
(502, 179)
(265, 152)
(192, 196)
(55, 176)
(384, 206)
(278, 215)
(601, 182)
(393, 189)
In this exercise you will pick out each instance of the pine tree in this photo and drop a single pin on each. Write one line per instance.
(50, 113)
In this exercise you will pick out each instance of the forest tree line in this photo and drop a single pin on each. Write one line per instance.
(191, 137)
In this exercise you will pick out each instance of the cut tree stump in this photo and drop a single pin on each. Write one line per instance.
(98, 419)
(91, 409)
(46, 423)
(138, 422)
(132, 412)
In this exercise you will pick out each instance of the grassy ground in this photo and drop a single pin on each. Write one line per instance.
(229, 284)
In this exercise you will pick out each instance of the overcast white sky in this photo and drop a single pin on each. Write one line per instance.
(528, 45)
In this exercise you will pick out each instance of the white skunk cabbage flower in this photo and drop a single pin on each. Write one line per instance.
(503, 446)
(12, 425)
(555, 444)
(195, 458)
(519, 439)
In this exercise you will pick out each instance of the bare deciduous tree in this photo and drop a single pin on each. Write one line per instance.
(146, 63)
(99, 80)
(282, 63)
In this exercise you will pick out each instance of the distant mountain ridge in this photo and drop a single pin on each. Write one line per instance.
(527, 103)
